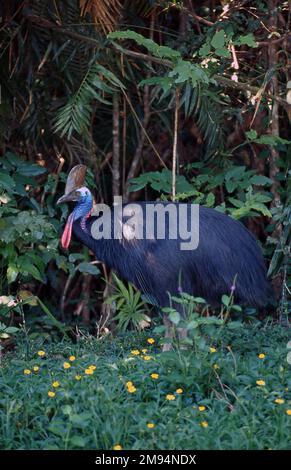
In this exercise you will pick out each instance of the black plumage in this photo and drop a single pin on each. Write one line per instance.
(227, 251)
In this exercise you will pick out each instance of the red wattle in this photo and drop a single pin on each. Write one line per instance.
(67, 234)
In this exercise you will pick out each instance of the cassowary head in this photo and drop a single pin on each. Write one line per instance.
(77, 192)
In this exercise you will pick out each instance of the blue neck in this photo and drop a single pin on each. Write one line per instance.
(83, 209)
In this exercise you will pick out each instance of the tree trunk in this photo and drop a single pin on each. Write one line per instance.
(274, 123)
(116, 148)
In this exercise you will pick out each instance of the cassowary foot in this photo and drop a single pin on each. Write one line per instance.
(167, 347)
(182, 335)
(170, 334)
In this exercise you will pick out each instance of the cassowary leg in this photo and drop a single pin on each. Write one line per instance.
(169, 335)
(182, 334)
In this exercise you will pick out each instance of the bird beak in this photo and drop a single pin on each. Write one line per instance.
(63, 199)
(72, 196)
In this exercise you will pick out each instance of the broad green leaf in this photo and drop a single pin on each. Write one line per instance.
(192, 325)
(199, 300)
(31, 169)
(75, 257)
(252, 134)
(231, 185)
(248, 40)
(272, 140)
(11, 330)
(12, 273)
(261, 208)
(236, 202)
(235, 172)
(223, 52)
(204, 50)
(225, 300)
(149, 44)
(218, 39)
(6, 182)
(175, 317)
(260, 180)
(210, 200)
(27, 267)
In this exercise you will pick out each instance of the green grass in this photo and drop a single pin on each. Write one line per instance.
(98, 411)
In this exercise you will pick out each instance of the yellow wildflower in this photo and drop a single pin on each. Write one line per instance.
(78, 377)
(72, 358)
(51, 394)
(154, 376)
(204, 424)
(117, 447)
(201, 408)
(92, 367)
(89, 371)
(150, 425)
(261, 356)
(288, 412)
(147, 358)
(135, 352)
(279, 401)
(151, 340)
(179, 391)
(27, 371)
(130, 387)
(36, 368)
(66, 365)
(215, 366)
(212, 350)
(170, 397)
(144, 350)
(56, 384)
(261, 383)
(41, 353)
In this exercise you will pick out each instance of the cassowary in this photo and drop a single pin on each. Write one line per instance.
(226, 251)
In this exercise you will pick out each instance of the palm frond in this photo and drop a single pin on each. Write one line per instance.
(198, 103)
(76, 114)
(104, 14)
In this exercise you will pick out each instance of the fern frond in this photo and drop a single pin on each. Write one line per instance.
(197, 102)
(76, 114)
